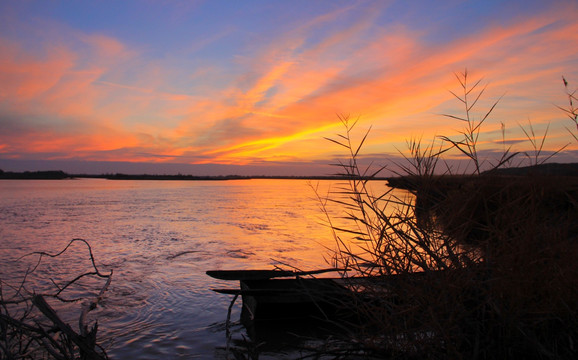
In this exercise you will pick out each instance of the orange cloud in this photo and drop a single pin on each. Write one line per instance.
(97, 97)
(23, 76)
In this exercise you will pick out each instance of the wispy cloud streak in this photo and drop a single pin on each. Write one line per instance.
(97, 94)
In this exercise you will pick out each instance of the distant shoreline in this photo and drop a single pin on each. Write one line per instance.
(60, 175)
(34, 175)
(549, 169)
(213, 178)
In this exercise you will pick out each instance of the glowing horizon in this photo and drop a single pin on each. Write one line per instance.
(256, 82)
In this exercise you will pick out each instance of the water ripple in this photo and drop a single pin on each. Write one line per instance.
(160, 238)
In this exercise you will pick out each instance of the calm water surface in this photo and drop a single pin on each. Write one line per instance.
(160, 237)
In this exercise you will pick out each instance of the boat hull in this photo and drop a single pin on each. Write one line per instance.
(291, 299)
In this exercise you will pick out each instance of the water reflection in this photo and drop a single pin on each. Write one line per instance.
(160, 237)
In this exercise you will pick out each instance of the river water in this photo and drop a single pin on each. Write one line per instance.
(160, 237)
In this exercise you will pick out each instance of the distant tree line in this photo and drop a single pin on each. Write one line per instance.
(119, 176)
(543, 169)
(215, 177)
(38, 175)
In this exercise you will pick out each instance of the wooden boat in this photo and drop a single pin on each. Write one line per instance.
(276, 294)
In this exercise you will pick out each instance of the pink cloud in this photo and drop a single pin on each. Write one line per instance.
(108, 99)
(24, 76)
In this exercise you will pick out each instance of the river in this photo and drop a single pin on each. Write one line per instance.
(160, 237)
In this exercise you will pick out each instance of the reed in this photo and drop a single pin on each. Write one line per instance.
(472, 265)
(571, 110)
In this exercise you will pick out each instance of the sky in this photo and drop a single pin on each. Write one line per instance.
(255, 87)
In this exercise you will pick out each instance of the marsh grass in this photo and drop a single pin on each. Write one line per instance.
(470, 265)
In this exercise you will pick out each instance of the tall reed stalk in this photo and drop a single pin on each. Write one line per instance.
(571, 111)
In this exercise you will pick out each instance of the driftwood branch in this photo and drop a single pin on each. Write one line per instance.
(87, 351)
(27, 334)
(87, 307)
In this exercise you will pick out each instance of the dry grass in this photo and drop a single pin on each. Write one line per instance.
(473, 266)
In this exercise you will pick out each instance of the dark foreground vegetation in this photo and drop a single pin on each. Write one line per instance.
(31, 323)
(486, 260)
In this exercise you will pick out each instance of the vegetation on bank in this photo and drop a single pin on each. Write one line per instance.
(59, 175)
(34, 175)
(474, 265)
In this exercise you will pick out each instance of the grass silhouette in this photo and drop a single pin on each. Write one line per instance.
(472, 265)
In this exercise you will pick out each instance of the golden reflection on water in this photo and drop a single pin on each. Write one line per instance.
(223, 224)
(249, 223)
(160, 237)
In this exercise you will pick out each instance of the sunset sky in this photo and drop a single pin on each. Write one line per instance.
(253, 87)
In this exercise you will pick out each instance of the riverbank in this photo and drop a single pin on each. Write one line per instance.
(506, 245)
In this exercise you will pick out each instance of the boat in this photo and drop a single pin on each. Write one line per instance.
(284, 295)
(290, 295)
